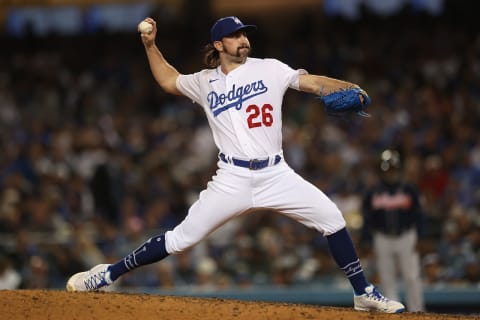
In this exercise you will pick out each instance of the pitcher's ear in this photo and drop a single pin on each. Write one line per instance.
(218, 45)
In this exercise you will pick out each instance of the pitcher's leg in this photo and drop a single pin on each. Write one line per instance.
(209, 212)
(345, 255)
(226, 196)
(298, 199)
(293, 196)
(213, 208)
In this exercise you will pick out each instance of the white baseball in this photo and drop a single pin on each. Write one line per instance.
(145, 27)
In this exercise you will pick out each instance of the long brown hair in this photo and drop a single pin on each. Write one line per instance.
(211, 57)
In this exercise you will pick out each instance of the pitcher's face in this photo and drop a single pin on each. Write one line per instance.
(236, 46)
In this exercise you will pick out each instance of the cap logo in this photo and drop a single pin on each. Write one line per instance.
(237, 21)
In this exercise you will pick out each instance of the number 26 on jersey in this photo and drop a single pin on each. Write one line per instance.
(258, 116)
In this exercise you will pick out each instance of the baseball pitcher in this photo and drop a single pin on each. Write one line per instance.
(242, 100)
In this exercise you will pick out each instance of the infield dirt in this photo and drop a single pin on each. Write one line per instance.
(53, 305)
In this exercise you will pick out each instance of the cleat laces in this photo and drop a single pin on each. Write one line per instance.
(377, 296)
(95, 281)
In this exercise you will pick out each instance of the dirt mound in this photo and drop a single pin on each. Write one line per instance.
(49, 304)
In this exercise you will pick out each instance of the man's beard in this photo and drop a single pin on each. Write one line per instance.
(238, 53)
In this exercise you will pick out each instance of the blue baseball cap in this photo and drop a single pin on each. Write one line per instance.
(228, 25)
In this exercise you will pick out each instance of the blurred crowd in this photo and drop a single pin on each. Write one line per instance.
(96, 158)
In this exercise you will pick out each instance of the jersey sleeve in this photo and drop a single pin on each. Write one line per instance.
(288, 76)
(189, 86)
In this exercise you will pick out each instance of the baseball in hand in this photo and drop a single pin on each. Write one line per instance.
(145, 27)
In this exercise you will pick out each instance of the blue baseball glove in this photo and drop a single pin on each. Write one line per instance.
(345, 101)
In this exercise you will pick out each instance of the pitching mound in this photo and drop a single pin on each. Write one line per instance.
(45, 304)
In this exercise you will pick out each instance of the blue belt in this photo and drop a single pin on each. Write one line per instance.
(253, 164)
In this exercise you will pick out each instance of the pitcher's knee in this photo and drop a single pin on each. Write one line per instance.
(334, 228)
(330, 220)
(176, 244)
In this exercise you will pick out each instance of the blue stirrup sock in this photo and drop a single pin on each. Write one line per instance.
(345, 255)
(150, 251)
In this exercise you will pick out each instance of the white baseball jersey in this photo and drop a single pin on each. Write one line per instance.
(244, 112)
(244, 107)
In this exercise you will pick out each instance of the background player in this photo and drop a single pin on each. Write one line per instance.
(242, 99)
(393, 218)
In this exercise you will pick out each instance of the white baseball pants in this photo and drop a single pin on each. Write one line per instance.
(235, 190)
